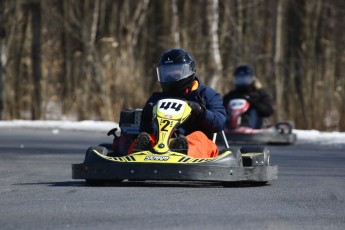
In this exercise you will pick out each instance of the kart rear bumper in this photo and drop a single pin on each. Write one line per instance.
(262, 138)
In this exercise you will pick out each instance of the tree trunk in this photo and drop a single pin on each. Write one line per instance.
(239, 31)
(294, 53)
(138, 21)
(175, 24)
(36, 58)
(2, 56)
(278, 58)
(214, 46)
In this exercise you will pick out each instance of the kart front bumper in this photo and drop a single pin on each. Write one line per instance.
(173, 172)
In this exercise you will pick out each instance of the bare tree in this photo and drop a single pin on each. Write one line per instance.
(2, 56)
(175, 24)
(36, 57)
(95, 58)
(213, 8)
(278, 57)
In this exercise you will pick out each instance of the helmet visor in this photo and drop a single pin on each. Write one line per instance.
(173, 73)
(244, 79)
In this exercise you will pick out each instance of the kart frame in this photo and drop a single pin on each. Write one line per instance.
(248, 164)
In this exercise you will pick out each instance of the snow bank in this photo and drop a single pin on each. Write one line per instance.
(64, 125)
(303, 136)
(317, 137)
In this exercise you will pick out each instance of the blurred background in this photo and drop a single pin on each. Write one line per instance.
(88, 59)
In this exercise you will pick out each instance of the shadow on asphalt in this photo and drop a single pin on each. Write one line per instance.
(182, 184)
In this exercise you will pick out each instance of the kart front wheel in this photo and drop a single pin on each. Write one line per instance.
(92, 182)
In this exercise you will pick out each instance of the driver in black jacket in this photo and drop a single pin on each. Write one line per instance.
(249, 88)
(177, 77)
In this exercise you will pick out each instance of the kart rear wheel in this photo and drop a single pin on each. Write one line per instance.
(233, 184)
(284, 127)
(258, 183)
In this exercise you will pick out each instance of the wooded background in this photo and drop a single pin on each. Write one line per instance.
(74, 59)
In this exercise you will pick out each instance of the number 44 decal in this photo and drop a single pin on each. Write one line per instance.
(171, 105)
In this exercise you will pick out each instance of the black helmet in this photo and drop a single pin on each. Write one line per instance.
(244, 76)
(176, 71)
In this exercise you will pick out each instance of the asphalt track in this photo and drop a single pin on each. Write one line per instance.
(37, 192)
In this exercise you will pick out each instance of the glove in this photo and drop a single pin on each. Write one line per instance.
(247, 97)
(198, 110)
(253, 101)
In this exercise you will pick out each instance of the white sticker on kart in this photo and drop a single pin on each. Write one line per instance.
(156, 158)
(171, 106)
(237, 103)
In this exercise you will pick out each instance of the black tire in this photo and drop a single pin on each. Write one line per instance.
(258, 183)
(283, 127)
(233, 184)
(91, 182)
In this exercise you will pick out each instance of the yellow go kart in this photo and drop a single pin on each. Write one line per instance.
(102, 165)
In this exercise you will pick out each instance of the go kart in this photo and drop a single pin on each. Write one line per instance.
(102, 164)
(237, 130)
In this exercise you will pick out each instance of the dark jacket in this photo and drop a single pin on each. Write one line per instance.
(259, 100)
(212, 121)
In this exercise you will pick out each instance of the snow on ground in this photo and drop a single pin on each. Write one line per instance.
(88, 125)
(317, 137)
(303, 136)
